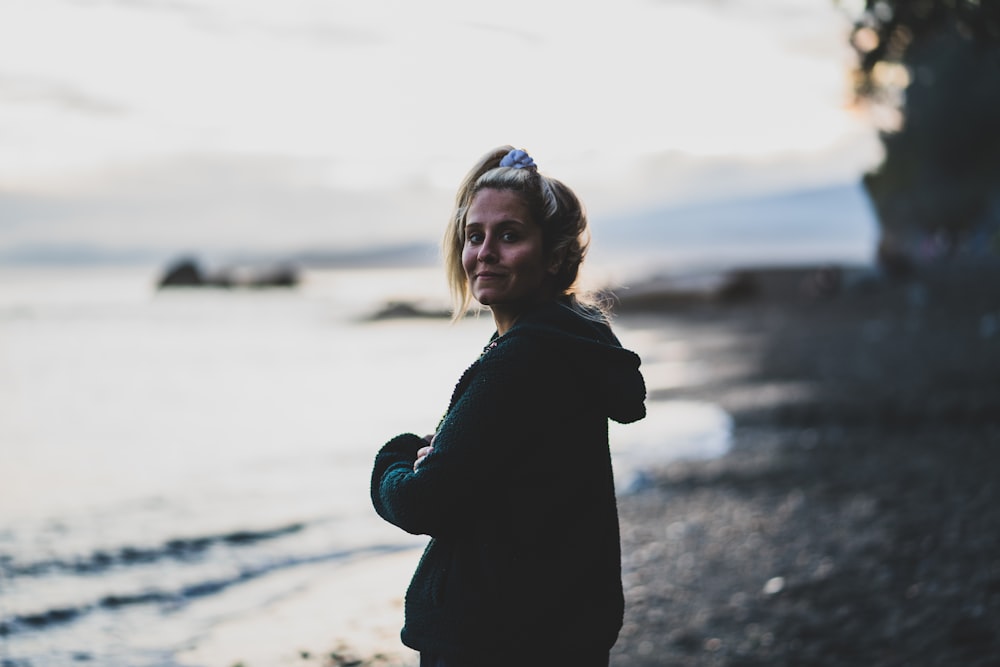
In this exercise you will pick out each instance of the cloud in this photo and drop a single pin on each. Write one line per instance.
(158, 5)
(231, 205)
(38, 91)
(217, 205)
(262, 125)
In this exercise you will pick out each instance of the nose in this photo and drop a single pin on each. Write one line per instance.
(487, 254)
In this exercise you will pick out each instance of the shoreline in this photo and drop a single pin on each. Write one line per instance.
(313, 625)
(851, 521)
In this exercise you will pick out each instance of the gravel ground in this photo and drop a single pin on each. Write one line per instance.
(856, 520)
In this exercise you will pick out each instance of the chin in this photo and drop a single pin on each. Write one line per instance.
(486, 299)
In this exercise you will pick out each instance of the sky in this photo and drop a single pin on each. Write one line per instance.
(267, 126)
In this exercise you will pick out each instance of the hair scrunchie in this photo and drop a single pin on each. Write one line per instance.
(518, 159)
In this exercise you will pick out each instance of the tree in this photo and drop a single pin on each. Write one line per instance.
(936, 65)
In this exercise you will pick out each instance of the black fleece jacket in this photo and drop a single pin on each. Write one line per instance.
(518, 497)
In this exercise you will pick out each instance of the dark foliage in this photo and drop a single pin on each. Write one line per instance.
(937, 193)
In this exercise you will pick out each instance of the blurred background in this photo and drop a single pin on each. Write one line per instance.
(174, 457)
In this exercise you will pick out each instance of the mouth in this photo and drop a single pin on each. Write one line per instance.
(488, 275)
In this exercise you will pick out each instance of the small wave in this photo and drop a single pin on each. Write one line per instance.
(181, 549)
(180, 596)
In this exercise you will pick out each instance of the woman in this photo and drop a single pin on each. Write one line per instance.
(515, 487)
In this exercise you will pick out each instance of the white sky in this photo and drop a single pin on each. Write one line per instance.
(200, 123)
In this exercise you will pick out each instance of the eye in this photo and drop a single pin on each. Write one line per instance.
(510, 237)
(474, 237)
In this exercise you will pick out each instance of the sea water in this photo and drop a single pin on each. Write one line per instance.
(170, 459)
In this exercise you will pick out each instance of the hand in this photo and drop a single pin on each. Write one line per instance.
(421, 455)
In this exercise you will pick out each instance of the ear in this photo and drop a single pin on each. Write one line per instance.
(555, 262)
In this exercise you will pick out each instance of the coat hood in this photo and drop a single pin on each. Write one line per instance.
(611, 370)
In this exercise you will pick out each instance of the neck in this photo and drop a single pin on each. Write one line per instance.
(506, 315)
(504, 319)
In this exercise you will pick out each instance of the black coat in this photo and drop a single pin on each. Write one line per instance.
(518, 496)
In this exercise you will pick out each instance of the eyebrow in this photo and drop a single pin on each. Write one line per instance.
(505, 221)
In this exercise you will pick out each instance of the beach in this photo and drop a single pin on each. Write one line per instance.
(849, 518)
(853, 520)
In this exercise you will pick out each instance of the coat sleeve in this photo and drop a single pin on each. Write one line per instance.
(393, 464)
(473, 448)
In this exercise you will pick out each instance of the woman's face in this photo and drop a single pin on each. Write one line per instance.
(503, 257)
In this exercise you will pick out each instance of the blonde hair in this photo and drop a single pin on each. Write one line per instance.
(553, 206)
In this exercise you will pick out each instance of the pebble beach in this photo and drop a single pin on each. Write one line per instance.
(854, 521)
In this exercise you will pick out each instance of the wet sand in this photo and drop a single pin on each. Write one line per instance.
(338, 615)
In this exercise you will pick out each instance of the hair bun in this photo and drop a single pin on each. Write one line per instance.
(518, 159)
